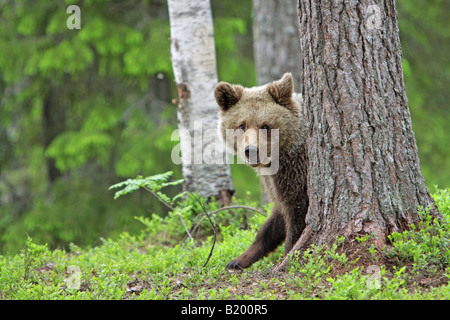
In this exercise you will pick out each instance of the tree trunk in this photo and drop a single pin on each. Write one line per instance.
(276, 45)
(194, 66)
(364, 173)
(53, 123)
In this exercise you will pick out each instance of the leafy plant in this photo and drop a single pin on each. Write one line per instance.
(32, 256)
(144, 266)
(427, 244)
(152, 183)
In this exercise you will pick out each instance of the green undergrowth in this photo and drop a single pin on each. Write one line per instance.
(183, 255)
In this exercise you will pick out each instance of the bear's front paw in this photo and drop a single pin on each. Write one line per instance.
(234, 264)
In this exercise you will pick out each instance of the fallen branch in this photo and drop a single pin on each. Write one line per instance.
(171, 208)
(206, 215)
(238, 207)
(222, 209)
(214, 229)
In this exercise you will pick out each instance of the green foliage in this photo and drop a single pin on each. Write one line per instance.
(72, 149)
(32, 255)
(424, 34)
(72, 103)
(190, 209)
(150, 265)
(154, 183)
(93, 105)
(233, 39)
(427, 245)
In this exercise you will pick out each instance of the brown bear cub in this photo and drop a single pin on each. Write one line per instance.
(270, 118)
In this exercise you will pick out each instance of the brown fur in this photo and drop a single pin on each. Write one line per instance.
(276, 106)
(227, 95)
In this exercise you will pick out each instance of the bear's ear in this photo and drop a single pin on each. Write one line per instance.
(281, 90)
(227, 95)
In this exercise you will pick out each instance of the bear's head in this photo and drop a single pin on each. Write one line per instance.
(255, 122)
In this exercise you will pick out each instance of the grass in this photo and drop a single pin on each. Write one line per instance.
(162, 263)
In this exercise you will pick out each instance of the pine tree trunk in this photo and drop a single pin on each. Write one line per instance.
(364, 172)
(194, 66)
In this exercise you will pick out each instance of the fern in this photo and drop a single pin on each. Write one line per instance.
(152, 183)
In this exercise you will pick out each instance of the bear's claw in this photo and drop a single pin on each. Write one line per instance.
(233, 265)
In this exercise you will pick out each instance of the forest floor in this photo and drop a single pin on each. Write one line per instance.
(347, 275)
(162, 263)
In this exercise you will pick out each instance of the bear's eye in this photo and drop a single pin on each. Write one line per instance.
(265, 127)
(242, 127)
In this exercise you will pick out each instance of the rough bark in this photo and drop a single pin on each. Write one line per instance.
(194, 66)
(364, 172)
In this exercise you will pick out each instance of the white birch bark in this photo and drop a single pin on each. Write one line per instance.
(195, 71)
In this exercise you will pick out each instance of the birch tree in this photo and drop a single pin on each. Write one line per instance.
(194, 67)
(364, 172)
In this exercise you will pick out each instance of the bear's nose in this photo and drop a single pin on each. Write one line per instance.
(251, 152)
